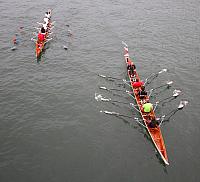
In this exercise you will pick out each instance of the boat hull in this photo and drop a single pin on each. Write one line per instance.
(155, 133)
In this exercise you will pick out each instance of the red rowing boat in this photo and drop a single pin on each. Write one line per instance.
(155, 133)
(39, 46)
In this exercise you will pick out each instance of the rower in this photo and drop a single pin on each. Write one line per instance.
(46, 20)
(41, 35)
(147, 107)
(45, 26)
(43, 31)
(129, 62)
(137, 83)
(153, 122)
(142, 93)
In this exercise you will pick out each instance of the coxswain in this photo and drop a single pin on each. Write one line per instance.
(147, 107)
(137, 83)
(142, 93)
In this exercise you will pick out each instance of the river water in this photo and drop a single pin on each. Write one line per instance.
(50, 125)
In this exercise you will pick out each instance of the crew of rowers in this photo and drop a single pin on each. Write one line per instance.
(147, 107)
(45, 27)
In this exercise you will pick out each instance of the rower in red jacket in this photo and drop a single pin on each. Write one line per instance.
(137, 83)
(41, 35)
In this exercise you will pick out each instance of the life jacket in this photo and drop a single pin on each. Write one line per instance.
(41, 37)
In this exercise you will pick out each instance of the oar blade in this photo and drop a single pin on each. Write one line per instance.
(169, 83)
(99, 97)
(103, 88)
(176, 93)
(182, 104)
(103, 76)
(163, 70)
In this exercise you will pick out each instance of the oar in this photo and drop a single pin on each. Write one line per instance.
(115, 113)
(137, 120)
(114, 89)
(47, 40)
(65, 47)
(154, 75)
(168, 84)
(110, 89)
(181, 105)
(155, 106)
(39, 23)
(108, 77)
(49, 33)
(176, 93)
(99, 97)
(13, 48)
(34, 40)
(134, 106)
(122, 115)
(130, 94)
(37, 28)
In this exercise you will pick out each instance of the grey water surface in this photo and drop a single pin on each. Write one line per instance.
(50, 125)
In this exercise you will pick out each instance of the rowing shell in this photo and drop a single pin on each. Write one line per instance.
(40, 46)
(155, 133)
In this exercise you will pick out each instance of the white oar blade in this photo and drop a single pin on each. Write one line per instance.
(182, 104)
(163, 70)
(103, 76)
(13, 48)
(111, 113)
(169, 82)
(105, 99)
(99, 97)
(176, 93)
(103, 88)
(65, 47)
